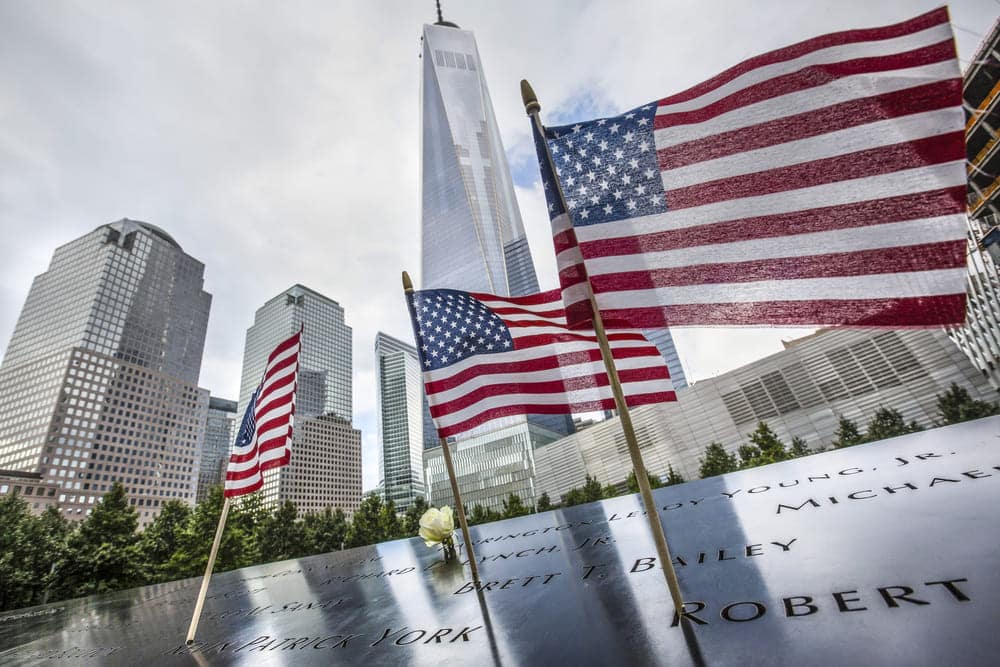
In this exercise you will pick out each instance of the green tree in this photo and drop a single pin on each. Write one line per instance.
(764, 448)
(847, 434)
(799, 448)
(104, 553)
(610, 491)
(573, 497)
(888, 423)
(633, 484)
(365, 527)
(544, 503)
(390, 527)
(238, 547)
(411, 519)
(325, 531)
(162, 538)
(281, 535)
(592, 490)
(673, 477)
(749, 456)
(16, 576)
(955, 406)
(513, 506)
(482, 515)
(50, 544)
(717, 461)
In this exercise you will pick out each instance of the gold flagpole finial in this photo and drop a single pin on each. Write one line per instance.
(529, 98)
(407, 283)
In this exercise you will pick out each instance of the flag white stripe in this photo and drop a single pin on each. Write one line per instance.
(829, 55)
(568, 373)
(274, 378)
(575, 396)
(530, 354)
(899, 183)
(889, 235)
(530, 308)
(881, 286)
(832, 144)
(844, 89)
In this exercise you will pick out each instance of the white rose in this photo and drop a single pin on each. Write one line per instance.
(437, 525)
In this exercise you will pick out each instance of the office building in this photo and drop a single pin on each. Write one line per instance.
(980, 337)
(401, 409)
(489, 466)
(99, 381)
(473, 237)
(801, 391)
(325, 365)
(325, 467)
(220, 433)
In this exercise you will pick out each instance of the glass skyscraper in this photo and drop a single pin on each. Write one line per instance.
(99, 381)
(220, 433)
(324, 383)
(401, 408)
(473, 238)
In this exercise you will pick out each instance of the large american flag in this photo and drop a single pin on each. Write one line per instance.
(820, 184)
(265, 437)
(485, 357)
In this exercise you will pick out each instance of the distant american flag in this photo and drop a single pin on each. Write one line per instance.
(820, 184)
(265, 437)
(485, 357)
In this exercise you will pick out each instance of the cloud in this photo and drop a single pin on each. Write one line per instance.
(279, 142)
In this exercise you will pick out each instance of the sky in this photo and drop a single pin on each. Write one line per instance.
(278, 142)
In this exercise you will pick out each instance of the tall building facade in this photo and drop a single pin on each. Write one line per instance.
(473, 236)
(325, 364)
(489, 466)
(325, 468)
(100, 380)
(401, 409)
(980, 337)
(801, 391)
(220, 433)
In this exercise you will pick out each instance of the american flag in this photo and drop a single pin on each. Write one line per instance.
(820, 184)
(265, 437)
(485, 357)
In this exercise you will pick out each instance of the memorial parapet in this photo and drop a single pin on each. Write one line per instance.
(887, 553)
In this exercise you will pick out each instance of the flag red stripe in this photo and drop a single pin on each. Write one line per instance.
(880, 160)
(572, 337)
(813, 76)
(544, 298)
(275, 403)
(283, 347)
(927, 311)
(929, 204)
(278, 367)
(276, 463)
(928, 97)
(633, 400)
(534, 365)
(241, 474)
(897, 259)
(914, 25)
(547, 387)
(243, 490)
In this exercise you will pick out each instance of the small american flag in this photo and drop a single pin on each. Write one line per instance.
(820, 184)
(265, 437)
(485, 357)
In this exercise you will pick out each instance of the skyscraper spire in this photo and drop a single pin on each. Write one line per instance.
(441, 20)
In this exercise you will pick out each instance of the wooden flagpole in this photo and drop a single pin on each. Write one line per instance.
(208, 571)
(532, 108)
(455, 491)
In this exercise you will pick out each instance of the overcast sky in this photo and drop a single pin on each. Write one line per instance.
(278, 141)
